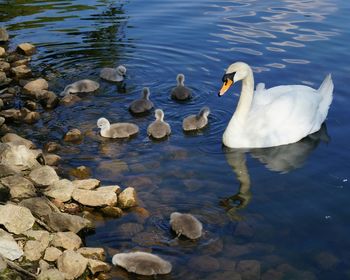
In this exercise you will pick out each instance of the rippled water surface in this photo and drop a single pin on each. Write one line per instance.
(284, 207)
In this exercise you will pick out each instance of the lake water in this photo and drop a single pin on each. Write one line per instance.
(286, 208)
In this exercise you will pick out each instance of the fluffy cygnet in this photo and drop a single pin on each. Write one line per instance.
(113, 74)
(116, 130)
(142, 263)
(143, 104)
(186, 224)
(81, 86)
(159, 128)
(181, 92)
(194, 122)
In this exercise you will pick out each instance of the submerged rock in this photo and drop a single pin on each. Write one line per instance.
(249, 269)
(186, 224)
(73, 135)
(142, 263)
(204, 263)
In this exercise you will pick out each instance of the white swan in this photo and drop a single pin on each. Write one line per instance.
(276, 116)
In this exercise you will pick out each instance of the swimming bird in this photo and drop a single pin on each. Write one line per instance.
(186, 224)
(142, 105)
(113, 74)
(142, 263)
(276, 116)
(194, 122)
(80, 86)
(181, 92)
(159, 128)
(116, 130)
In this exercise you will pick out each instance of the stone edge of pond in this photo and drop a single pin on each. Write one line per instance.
(44, 217)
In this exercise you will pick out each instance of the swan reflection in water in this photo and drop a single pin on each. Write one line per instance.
(279, 159)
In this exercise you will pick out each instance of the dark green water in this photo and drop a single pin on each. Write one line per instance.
(286, 207)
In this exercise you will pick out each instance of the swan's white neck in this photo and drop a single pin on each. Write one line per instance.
(243, 107)
(105, 129)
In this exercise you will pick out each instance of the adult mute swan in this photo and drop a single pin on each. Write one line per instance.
(276, 116)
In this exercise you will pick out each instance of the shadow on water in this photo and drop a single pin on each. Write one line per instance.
(281, 159)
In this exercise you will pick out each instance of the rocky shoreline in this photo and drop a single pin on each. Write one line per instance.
(43, 217)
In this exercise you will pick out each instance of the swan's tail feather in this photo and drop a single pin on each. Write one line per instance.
(326, 91)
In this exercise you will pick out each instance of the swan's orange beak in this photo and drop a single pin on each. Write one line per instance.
(225, 87)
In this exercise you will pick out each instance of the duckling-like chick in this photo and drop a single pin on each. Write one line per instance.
(194, 122)
(181, 92)
(142, 263)
(116, 130)
(159, 128)
(186, 224)
(81, 86)
(142, 105)
(113, 74)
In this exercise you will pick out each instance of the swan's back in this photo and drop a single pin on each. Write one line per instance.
(284, 114)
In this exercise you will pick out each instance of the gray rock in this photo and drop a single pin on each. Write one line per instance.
(61, 190)
(9, 247)
(39, 206)
(33, 250)
(114, 188)
(92, 253)
(142, 263)
(49, 99)
(95, 198)
(2, 52)
(51, 274)
(43, 176)
(69, 99)
(18, 157)
(66, 240)
(249, 269)
(86, 184)
(98, 266)
(52, 254)
(17, 140)
(11, 114)
(3, 264)
(71, 264)
(19, 187)
(36, 85)
(127, 198)
(6, 171)
(31, 117)
(26, 49)
(4, 36)
(4, 66)
(16, 219)
(21, 71)
(63, 221)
